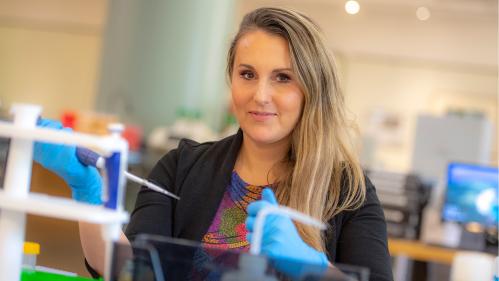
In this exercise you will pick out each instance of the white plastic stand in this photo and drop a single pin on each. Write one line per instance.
(17, 180)
(16, 200)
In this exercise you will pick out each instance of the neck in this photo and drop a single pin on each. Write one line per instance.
(258, 163)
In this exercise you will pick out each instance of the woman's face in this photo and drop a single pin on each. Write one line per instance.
(266, 96)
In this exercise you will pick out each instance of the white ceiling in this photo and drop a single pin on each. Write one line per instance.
(459, 32)
(479, 8)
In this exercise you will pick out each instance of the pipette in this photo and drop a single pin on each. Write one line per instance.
(90, 158)
(149, 185)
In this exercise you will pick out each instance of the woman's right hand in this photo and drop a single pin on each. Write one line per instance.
(85, 181)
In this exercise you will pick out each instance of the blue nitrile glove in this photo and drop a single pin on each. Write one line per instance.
(85, 181)
(280, 237)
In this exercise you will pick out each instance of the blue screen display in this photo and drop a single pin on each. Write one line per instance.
(472, 194)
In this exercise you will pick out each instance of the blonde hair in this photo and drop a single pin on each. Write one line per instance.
(323, 175)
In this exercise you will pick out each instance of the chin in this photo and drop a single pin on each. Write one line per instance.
(265, 135)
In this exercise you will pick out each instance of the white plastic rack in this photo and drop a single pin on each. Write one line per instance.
(16, 200)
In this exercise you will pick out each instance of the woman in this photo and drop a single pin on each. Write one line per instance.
(293, 139)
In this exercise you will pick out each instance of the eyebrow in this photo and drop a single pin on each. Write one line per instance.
(275, 70)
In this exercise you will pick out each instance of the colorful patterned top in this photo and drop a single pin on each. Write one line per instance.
(228, 231)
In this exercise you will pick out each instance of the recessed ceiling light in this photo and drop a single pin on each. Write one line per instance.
(352, 7)
(423, 13)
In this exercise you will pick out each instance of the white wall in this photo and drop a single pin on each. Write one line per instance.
(407, 88)
(50, 52)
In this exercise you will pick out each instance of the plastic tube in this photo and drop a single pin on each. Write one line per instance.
(282, 211)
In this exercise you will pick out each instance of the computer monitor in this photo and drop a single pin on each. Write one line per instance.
(472, 195)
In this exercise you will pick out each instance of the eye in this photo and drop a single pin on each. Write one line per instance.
(283, 77)
(246, 74)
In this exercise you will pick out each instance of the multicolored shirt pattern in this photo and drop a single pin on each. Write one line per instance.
(228, 230)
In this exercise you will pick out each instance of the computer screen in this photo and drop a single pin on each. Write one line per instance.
(472, 194)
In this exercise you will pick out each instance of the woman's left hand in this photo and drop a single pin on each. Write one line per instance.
(280, 239)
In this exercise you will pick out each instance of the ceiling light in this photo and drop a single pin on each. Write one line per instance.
(423, 13)
(352, 7)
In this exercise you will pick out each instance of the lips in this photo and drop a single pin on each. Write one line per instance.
(262, 113)
(261, 116)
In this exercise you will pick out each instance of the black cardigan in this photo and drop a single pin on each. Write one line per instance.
(200, 173)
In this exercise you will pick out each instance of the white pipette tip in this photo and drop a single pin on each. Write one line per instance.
(150, 185)
(160, 190)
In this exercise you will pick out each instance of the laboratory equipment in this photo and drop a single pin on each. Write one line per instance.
(85, 182)
(30, 250)
(403, 197)
(152, 257)
(16, 200)
(278, 210)
(91, 158)
(267, 233)
(28, 275)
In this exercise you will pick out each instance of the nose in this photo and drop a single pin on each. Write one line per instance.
(263, 94)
